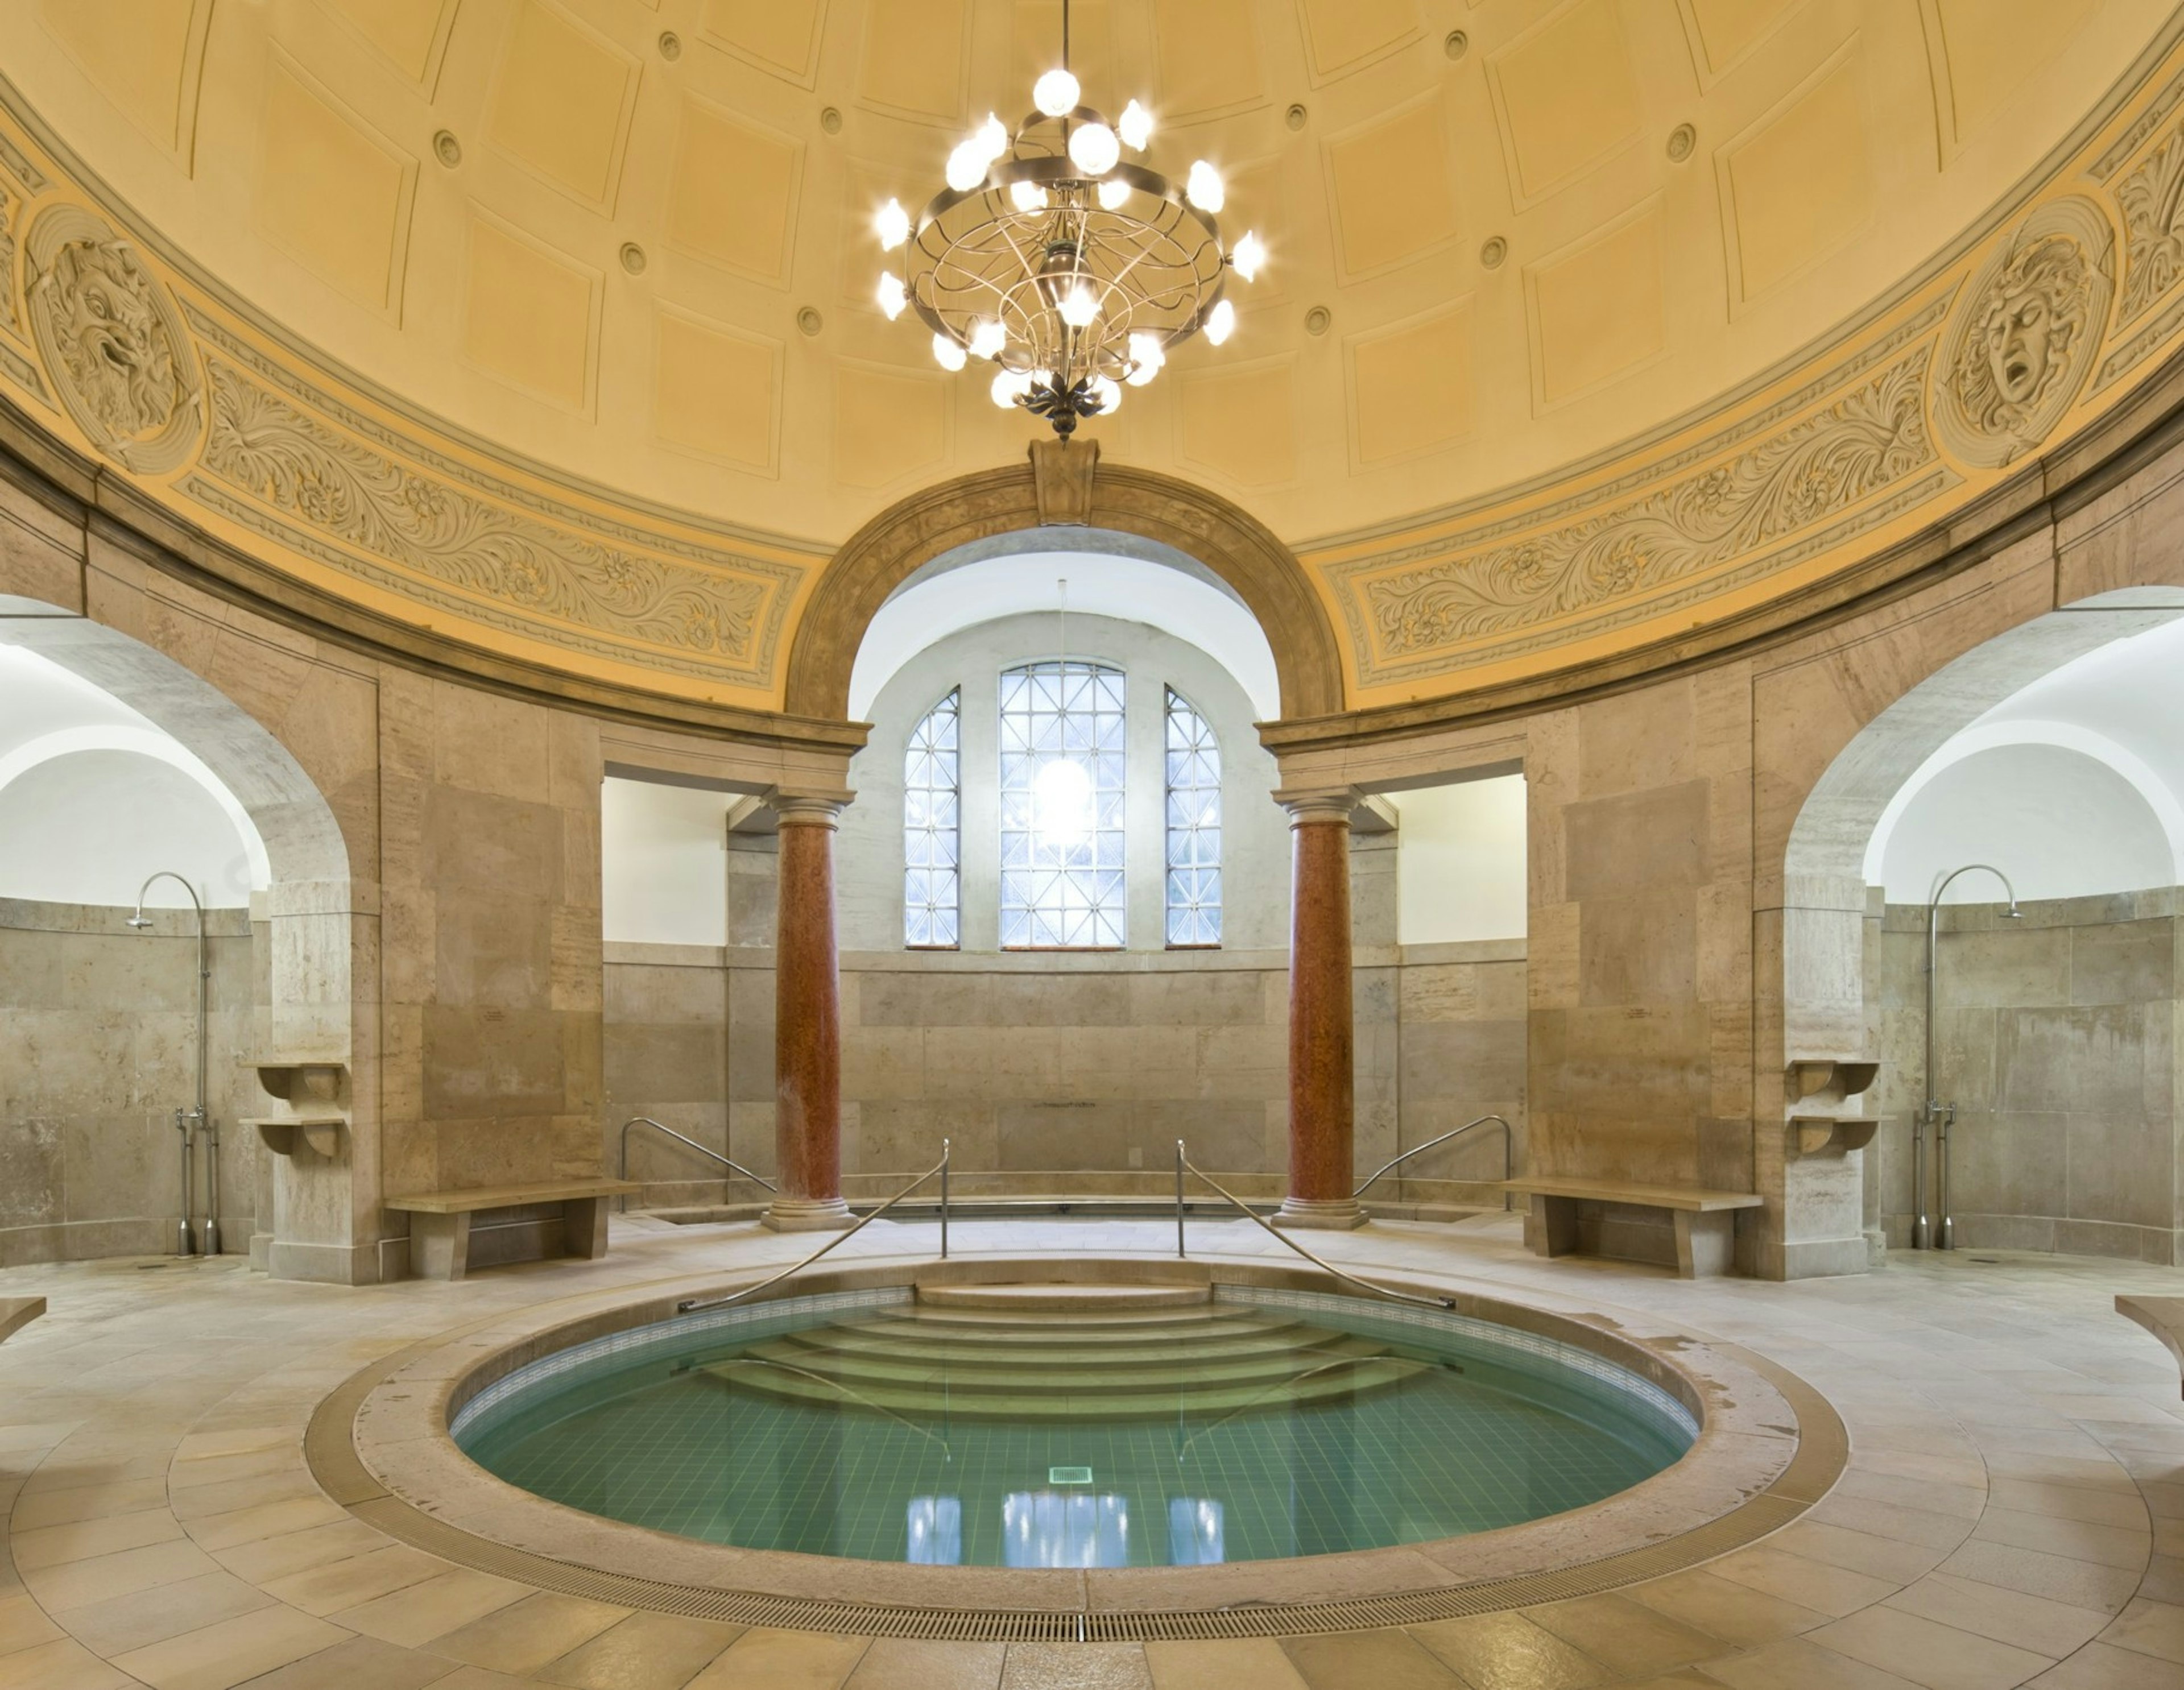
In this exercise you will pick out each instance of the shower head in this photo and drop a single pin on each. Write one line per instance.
(140, 918)
(2013, 914)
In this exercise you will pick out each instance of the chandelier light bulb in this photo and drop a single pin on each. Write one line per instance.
(993, 137)
(1114, 194)
(893, 296)
(1094, 149)
(1007, 389)
(893, 224)
(1027, 196)
(1249, 257)
(1109, 395)
(1137, 126)
(1147, 356)
(988, 339)
(967, 166)
(1204, 188)
(1054, 93)
(1079, 307)
(949, 355)
(1222, 323)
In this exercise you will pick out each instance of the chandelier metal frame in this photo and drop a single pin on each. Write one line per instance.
(1073, 282)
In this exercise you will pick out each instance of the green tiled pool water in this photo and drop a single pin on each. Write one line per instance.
(1264, 1424)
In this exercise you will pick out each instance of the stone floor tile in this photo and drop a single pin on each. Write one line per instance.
(77, 1583)
(1076, 1666)
(1722, 1609)
(63, 1665)
(482, 1678)
(218, 1531)
(2098, 1667)
(525, 1635)
(644, 1652)
(80, 1540)
(328, 1589)
(230, 1652)
(2097, 1507)
(2053, 1629)
(358, 1663)
(904, 1664)
(1247, 1664)
(122, 1623)
(2059, 1578)
(231, 1495)
(782, 1660)
(2164, 1580)
(24, 1623)
(39, 1508)
(1368, 1660)
(2107, 1545)
(1834, 1590)
(1889, 1519)
(1925, 1652)
(1508, 1649)
(1860, 1552)
(1801, 1664)
(1628, 1637)
(2155, 1628)
(301, 1551)
(440, 1605)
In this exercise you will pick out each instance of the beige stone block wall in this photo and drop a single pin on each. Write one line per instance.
(2055, 1038)
(99, 1051)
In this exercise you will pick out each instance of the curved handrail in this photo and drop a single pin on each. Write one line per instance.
(1508, 1152)
(690, 1305)
(1183, 1163)
(1183, 1449)
(853, 1395)
(647, 1120)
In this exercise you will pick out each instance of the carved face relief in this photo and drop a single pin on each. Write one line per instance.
(2026, 334)
(112, 341)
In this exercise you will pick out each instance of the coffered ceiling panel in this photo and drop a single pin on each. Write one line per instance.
(1208, 53)
(1394, 190)
(1411, 386)
(1799, 183)
(915, 59)
(731, 195)
(562, 101)
(780, 36)
(717, 392)
(412, 33)
(1569, 96)
(1725, 30)
(1240, 424)
(1598, 309)
(890, 424)
(528, 314)
(144, 55)
(332, 191)
(1985, 50)
(1344, 35)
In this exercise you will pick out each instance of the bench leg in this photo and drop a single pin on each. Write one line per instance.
(1706, 1243)
(1551, 1225)
(584, 1228)
(439, 1246)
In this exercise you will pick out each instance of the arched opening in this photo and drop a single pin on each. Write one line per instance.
(2050, 757)
(124, 777)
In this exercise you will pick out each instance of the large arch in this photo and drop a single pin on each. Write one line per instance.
(1069, 488)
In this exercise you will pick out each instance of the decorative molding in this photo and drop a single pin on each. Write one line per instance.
(1062, 476)
(112, 341)
(286, 460)
(2024, 335)
(1870, 440)
(2151, 201)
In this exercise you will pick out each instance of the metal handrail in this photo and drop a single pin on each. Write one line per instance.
(647, 1120)
(1508, 1152)
(692, 1305)
(853, 1395)
(1183, 1163)
(1183, 1449)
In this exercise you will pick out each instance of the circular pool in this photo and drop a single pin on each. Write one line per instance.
(1182, 1427)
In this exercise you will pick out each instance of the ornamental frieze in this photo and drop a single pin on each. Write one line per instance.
(264, 445)
(1869, 440)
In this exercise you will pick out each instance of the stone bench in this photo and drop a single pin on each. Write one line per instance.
(17, 1313)
(444, 1224)
(1704, 1221)
(2163, 1316)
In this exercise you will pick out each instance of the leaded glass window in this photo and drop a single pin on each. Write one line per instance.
(1062, 755)
(1194, 826)
(932, 828)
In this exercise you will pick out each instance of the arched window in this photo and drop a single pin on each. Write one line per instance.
(1194, 827)
(1062, 755)
(932, 830)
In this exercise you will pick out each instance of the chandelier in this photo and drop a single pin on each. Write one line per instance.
(1071, 270)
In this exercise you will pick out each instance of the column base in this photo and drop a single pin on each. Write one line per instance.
(807, 1215)
(1333, 1214)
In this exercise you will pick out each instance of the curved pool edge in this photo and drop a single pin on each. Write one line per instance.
(1769, 1446)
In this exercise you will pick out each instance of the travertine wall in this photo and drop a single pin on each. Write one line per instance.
(2057, 1041)
(99, 1050)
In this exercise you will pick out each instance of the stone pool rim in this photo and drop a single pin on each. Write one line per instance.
(1769, 1446)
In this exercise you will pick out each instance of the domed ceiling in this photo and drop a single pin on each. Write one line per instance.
(608, 266)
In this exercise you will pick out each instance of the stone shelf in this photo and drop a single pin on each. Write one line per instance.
(300, 1079)
(321, 1132)
(1831, 1079)
(1819, 1135)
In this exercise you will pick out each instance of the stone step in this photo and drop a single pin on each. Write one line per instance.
(1055, 1297)
(1074, 1373)
(911, 1340)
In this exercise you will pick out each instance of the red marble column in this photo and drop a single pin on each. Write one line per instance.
(1322, 1081)
(807, 1028)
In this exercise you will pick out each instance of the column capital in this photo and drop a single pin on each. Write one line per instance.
(1319, 806)
(808, 806)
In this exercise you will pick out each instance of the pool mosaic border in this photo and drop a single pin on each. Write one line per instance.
(1769, 1447)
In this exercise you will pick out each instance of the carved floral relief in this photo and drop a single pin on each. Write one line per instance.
(2151, 201)
(1873, 437)
(112, 341)
(264, 445)
(2024, 335)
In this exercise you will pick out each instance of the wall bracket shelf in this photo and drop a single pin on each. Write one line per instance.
(322, 1133)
